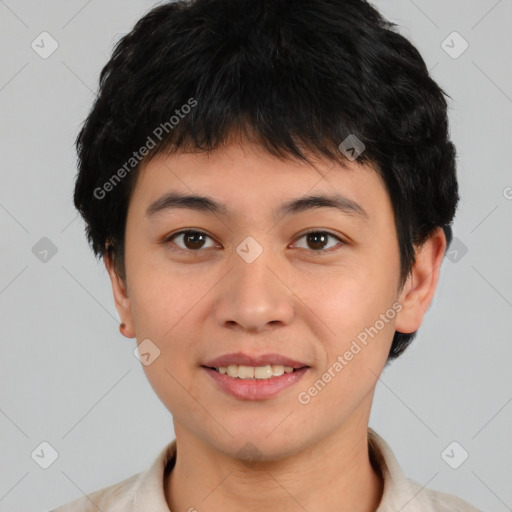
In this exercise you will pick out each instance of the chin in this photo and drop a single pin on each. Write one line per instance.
(261, 444)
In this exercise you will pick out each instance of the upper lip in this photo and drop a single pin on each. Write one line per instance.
(239, 358)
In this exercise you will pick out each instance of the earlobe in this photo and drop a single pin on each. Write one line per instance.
(121, 298)
(419, 289)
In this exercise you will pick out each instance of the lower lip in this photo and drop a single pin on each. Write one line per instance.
(255, 389)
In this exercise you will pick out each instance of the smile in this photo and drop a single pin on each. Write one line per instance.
(254, 372)
(243, 382)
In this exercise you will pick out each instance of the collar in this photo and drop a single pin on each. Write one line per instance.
(399, 493)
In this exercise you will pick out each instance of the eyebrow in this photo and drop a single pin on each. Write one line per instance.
(206, 204)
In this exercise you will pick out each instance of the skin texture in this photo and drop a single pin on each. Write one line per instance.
(199, 300)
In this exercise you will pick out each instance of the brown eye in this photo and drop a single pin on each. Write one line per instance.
(191, 240)
(318, 240)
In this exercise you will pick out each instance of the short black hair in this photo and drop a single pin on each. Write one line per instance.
(298, 78)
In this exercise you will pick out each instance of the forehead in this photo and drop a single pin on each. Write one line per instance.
(246, 178)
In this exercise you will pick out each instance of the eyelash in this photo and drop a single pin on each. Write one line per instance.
(319, 252)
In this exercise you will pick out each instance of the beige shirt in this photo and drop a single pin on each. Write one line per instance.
(144, 492)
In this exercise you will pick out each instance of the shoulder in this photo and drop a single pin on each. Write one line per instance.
(405, 494)
(429, 500)
(143, 491)
(108, 499)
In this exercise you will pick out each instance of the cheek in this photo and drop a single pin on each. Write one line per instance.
(171, 382)
(356, 310)
(160, 300)
(345, 300)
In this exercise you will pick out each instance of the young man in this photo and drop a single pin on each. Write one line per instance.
(271, 185)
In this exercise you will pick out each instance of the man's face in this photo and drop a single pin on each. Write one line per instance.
(252, 281)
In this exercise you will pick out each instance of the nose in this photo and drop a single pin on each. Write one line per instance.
(254, 297)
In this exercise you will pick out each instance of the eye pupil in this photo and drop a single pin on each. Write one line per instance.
(318, 239)
(191, 237)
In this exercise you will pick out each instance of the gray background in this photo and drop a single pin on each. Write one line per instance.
(70, 379)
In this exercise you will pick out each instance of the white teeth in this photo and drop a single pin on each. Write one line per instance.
(252, 372)
(246, 372)
(277, 370)
(232, 370)
(263, 372)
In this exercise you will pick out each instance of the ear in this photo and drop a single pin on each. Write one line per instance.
(120, 290)
(418, 291)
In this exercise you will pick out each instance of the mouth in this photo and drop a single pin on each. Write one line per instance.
(264, 372)
(254, 383)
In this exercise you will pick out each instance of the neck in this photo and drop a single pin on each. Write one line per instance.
(334, 474)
